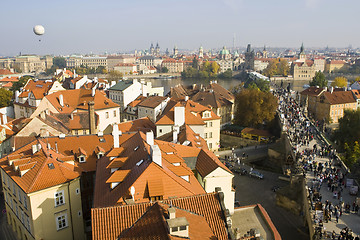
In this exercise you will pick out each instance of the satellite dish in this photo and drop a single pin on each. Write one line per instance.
(39, 30)
(132, 191)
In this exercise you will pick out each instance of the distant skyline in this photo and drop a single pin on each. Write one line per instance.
(121, 26)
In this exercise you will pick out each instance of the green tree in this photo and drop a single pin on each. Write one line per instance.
(5, 97)
(226, 74)
(164, 70)
(101, 70)
(114, 75)
(254, 107)
(19, 84)
(59, 62)
(195, 63)
(340, 82)
(319, 80)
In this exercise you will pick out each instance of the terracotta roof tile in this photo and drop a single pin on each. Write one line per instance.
(148, 220)
(339, 97)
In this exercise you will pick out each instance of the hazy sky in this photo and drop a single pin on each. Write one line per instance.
(121, 25)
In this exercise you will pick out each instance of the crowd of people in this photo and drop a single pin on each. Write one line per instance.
(308, 147)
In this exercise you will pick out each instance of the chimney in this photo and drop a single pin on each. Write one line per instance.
(34, 149)
(171, 212)
(186, 98)
(61, 100)
(93, 91)
(179, 116)
(115, 134)
(44, 132)
(92, 117)
(17, 96)
(176, 131)
(325, 89)
(56, 147)
(43, 114)
(156, 155)
(4, 119)
(331, 89)
(150, 138)
(72, 116)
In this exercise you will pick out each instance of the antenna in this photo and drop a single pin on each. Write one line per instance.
(132, 191)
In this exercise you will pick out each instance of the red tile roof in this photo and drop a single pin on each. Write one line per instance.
(148, 220)
(339, 97)
(312, 91)
(5, 72)
(142, 173)
(141, 124)
(46, 171)
(77, 99)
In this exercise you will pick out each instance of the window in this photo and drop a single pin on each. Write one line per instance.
(14, 191)
(210, 124)
(182, 228)
(25, 202)
(77, 191)
(210, 134)
(174, 229)
(210, 145)
(61, 221)
(106, 115)
(27, 223)
(82, 159)
(59, 198)
(19, 196)
(114, 113)
(205, 135)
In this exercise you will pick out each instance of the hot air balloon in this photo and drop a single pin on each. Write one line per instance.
(39, 30)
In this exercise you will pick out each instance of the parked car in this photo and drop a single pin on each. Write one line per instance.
(241, 171)
(256, 174)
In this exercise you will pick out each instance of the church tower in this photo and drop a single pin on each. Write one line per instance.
(157, 49)
(201, 52)
(265, 53)
(152, 49)
(176, 51)
(302, 55)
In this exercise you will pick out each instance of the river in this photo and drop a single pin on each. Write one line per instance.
(167, 84)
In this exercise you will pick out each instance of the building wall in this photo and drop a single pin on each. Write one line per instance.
(221, 178)
(44, 105)
(18, 211)
(332, 113)
(303, 72)
(163, 129)
(199, 129)
(44, 212)
(33, 129)
(108, 116)
(213, 127)
(130, 94)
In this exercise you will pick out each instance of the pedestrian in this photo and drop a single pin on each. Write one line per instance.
(337, 216)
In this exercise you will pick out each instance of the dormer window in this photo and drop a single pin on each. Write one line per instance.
(82, 158)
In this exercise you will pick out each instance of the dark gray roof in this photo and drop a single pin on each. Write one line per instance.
(121, 85)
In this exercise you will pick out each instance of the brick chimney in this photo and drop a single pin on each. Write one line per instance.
(92, 117)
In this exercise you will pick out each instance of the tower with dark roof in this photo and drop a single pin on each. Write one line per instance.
(152, 50)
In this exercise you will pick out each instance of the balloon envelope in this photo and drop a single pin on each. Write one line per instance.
(39, 30)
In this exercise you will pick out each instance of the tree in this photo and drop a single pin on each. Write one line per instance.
(114, 75)
(254, 107)
(19, 84)
(195, 63)
(283, 68)
(214, 68)
(101, 70)
(226, 74)
(164, 70)
(340, 82)
(271, 69)
(319, 80)
(59, 62)
(5, 97)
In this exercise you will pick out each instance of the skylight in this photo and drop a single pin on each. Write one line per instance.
(51, 166)
(139, 163)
